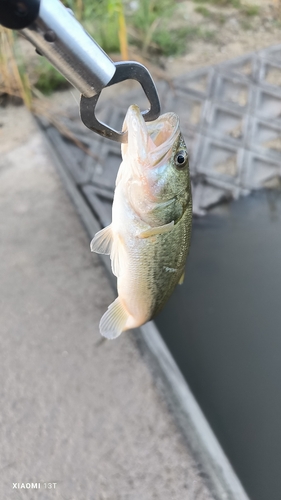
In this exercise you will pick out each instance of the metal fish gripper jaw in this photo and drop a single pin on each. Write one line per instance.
(128, 70)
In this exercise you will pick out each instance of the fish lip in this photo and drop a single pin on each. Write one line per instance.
(168, 135)
(137, 146)
(150, 142)
(173, 120)
(134, 122)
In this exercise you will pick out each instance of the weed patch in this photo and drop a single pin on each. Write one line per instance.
(201, 9)
(49, 79)
(250, 10)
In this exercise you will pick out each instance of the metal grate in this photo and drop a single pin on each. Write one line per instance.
(230, 117)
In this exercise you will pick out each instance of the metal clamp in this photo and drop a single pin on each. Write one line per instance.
(124, 71)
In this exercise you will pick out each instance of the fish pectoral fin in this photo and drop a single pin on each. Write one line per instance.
(114, 320)
(181, 280)
(152, 231)
(102, 241)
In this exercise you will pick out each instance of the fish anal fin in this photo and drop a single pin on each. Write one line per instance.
(152, 231)
(102, 241)
(114, 320)
(181, 280)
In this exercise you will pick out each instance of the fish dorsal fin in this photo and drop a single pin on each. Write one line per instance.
(102, 241)
(114, 320)
(152, 231)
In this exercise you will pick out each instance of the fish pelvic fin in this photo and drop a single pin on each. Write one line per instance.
(102, 241)
(114, 320)
(117, 255)
(152, 231)
(181, 280)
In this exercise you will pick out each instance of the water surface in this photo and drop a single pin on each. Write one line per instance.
(223, 326)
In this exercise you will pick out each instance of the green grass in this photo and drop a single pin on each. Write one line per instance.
(100, 19)
(169, 43)
(221, 3)
(49, 79)
(250, 10)
(201, 9)
(149, 25)
(220, 18)
(150, 28)
(247, 10)
(217, 17)
(146, 24)
(173, 42)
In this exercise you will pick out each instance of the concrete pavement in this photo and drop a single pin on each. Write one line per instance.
(83, 413)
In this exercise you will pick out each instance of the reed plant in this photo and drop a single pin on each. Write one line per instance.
(105, 21)
(14, 79)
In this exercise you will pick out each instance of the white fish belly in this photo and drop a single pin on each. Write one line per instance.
(133, 283)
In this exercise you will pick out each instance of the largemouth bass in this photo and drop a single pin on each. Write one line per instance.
(149, 237)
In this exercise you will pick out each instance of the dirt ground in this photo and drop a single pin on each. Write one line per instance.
(237, 35)
(234, 34)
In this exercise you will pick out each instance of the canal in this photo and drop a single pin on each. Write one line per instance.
(223, 327)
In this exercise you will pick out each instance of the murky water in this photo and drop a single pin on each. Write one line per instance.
(223, 326)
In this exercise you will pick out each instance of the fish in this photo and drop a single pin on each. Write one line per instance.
(148, 239)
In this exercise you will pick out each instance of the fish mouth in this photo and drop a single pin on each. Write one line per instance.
(149, 143)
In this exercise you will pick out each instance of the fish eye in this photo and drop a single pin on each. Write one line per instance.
(181, 159)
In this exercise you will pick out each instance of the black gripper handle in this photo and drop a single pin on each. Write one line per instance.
(18, 14)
